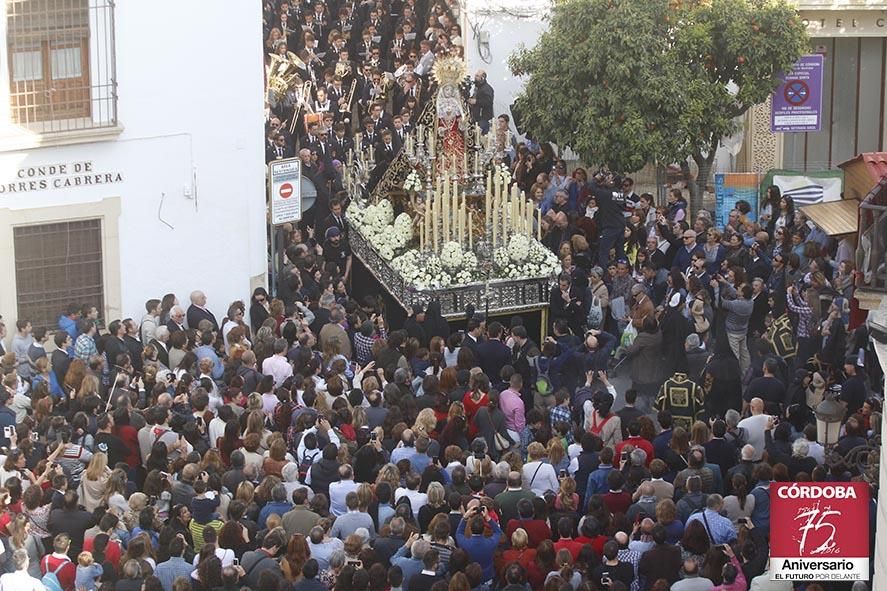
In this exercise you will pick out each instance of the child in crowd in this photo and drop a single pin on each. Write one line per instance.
(88, 572)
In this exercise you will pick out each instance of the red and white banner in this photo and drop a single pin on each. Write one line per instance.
(819, 531)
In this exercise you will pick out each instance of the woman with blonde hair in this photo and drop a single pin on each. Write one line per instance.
(88, 387)
(93, 484)
(255, 423)
(557, 455)
(359, 418)
(365, 496)
(538, 475)
(22, 538)
(437, 503)
(426, 423)
(567, 500)
(699, 433)
(520, 552)
(390, 474)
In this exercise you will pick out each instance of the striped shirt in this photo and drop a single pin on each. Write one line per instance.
(84, 348)
(799, 306)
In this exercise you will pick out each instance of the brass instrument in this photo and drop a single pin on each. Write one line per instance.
(282, 75)
(346, 108)
(343, 69)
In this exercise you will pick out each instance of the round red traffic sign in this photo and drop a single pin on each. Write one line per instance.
(286, 190)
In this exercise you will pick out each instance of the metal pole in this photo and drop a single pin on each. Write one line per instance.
(272, 281)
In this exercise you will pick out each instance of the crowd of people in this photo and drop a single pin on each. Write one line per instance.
(300, 443)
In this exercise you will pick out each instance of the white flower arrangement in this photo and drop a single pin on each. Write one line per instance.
(519, 247)
(523, 256)
(469, 262)
(451, 255)
(413, 182)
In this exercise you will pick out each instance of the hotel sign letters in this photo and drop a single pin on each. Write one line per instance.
(65, 175)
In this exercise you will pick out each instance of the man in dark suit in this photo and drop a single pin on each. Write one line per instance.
(369, 138)
(399, 133)
(566, 302)
(71, 520)
(492, 353)
(474, 337)
(60, 358)
(197, 311)
(279, 150)
(336, 218)
(176, 320)
(340, 143)
(524, 353)
(385, 152)
(113, 343)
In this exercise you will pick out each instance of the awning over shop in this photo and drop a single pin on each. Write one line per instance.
(834, 217)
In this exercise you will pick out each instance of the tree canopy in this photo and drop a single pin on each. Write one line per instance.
(626, 82)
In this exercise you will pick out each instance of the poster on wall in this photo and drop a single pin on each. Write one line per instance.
(806, 190)
(731, 188)
(797, 101)
(286, 190)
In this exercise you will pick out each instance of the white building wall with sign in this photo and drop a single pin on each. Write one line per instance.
(188, 210)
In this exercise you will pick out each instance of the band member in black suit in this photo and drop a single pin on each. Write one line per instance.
(279, 150)
(341, 144)
(399, 133)
(370, 136)
(385, 153)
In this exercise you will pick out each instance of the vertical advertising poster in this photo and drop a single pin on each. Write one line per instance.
(797, 101)
(733, 187)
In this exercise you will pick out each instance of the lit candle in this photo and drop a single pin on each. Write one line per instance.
(529, 222)
(464, 162)
(435, 222)
(539, 224)
(515, 212)
(488, 196)
(495, 219)
(477, 161)
(470, 233)
(427, 220)
(489, 187)
(446, 210)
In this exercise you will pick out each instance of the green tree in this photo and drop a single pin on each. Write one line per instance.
(629, 82)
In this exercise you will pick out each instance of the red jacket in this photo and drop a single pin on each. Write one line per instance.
(66, 574)
(638, 442)
(570, 544)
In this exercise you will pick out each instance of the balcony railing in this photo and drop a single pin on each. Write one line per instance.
(62, 74)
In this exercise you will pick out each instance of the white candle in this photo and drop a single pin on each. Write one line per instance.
(495, 219)
(445, 214)
(539, 224)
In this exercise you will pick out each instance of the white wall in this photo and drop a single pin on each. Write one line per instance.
(508, 23)
(190, 87)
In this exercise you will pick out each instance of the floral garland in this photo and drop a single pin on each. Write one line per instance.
(522, 257)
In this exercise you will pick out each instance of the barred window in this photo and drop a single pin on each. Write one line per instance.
(56, 264)
(61, 65)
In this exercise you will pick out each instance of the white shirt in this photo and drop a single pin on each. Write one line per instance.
(216, 429)
(544, 480)
(300, 450)
(417, 499)
(20, 580)
(223, 554)
(755, 426)
(278, 367)
(338, 491)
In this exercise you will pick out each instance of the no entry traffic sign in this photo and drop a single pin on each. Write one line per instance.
(285, 189)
